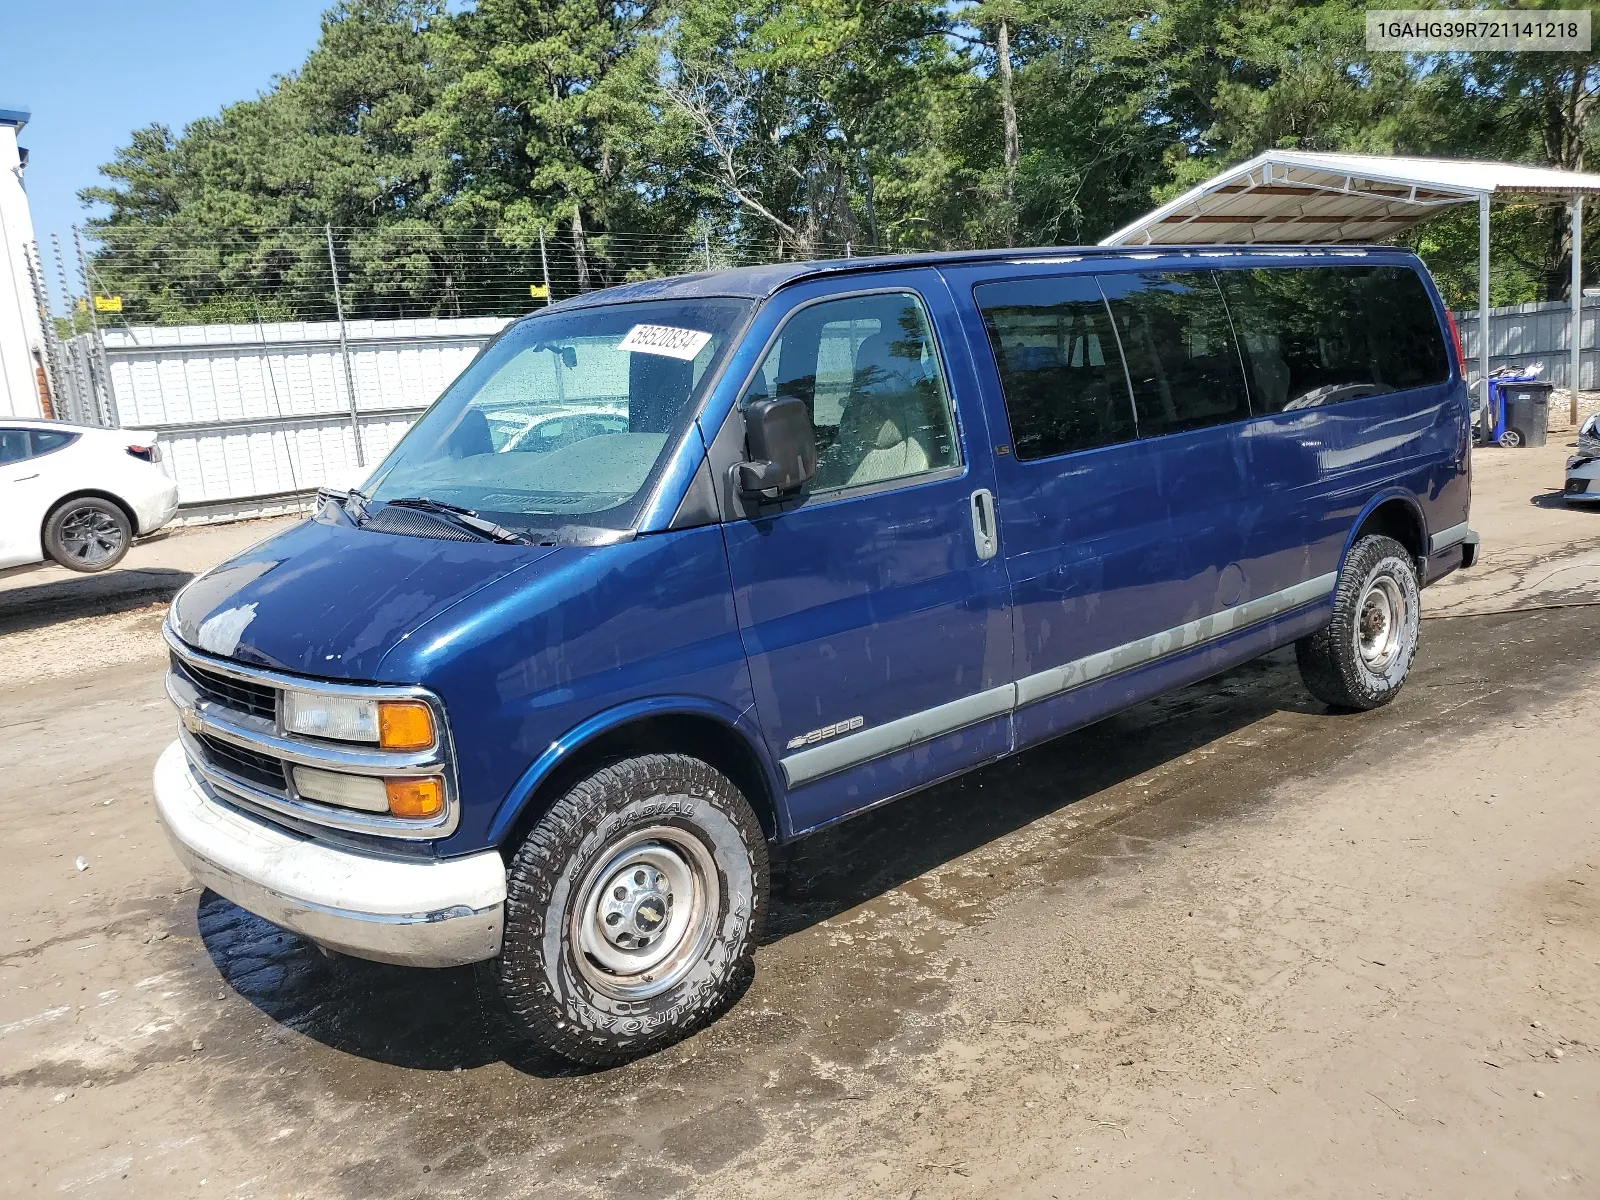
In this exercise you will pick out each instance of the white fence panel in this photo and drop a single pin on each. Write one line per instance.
(256, 417)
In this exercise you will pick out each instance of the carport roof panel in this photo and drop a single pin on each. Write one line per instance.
(1289, 197)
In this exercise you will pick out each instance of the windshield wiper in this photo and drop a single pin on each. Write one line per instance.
(465, 517)
(352, 500)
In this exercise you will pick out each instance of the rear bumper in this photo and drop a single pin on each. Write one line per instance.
(1449, 549)
(156, 509)
(411, 911)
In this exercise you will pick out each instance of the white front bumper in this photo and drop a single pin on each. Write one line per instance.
(413, 911)
(1588, 470)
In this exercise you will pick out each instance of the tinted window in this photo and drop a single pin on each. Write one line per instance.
(1180, 350)
(46, 440)
(13, 445)
(1317, 335)
(1060, 372)
(867, 369)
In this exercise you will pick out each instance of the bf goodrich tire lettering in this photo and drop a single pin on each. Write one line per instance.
(656, 861)
(1360, 659)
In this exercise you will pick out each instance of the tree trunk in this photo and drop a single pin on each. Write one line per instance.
(580, 248)
(1008, 108)
(872, 205)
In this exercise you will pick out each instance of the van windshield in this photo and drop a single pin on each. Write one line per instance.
(567, 417)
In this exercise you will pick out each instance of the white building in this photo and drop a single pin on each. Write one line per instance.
(22, 353)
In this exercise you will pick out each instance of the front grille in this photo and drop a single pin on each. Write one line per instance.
(1577, 487)
(260, 769)
(257, 699)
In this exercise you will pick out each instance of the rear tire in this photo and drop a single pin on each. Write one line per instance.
(1360, 659)
(88, 533)
(632, 911)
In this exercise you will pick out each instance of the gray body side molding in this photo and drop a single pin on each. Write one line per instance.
(1446, 538)
(901, 734)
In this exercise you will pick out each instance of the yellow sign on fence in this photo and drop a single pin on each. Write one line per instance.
(108, 304)
(538, 291)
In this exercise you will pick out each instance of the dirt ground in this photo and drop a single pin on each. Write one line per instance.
(1224, 944)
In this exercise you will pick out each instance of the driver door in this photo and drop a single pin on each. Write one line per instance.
(875, 610)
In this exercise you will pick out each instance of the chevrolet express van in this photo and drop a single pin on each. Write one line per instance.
(681, 569)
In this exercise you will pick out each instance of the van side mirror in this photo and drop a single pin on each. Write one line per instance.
(783, 448)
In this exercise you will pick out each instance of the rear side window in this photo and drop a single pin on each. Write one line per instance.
(1060, 373)
(1318, 335)
(13, 445)
(46, 440)
(1180, 350)
(19, 444)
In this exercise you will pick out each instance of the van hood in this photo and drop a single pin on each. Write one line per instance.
(328, 599)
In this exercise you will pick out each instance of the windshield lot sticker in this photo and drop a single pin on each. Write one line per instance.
(665, 339)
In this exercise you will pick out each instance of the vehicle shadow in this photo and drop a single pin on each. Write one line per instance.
(1558, 499)
(437, 1020)
(39, 605)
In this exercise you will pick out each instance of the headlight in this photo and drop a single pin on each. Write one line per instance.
(391, 724)
(341, 717)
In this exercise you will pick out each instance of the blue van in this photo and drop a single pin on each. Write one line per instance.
(681, 569)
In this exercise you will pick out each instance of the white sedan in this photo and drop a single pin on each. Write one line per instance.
(1583, 468)
(78, 494)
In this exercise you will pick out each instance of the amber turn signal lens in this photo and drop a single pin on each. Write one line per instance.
(404, 725)
(415, 798)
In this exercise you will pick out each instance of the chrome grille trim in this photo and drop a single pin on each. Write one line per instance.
(200, 715)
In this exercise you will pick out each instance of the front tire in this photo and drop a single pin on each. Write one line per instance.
(632, 911)
(1360, 659)
(88, 534)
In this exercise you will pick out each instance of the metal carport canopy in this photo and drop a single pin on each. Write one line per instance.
(1287, 197)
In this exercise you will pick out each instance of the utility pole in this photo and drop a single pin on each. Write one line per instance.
(344, 349)
(544, 265)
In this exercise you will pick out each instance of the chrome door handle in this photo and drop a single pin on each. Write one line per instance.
(985, 534)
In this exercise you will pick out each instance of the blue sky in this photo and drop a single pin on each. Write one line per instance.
(92, 71)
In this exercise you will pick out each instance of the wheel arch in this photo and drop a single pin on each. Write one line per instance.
(682, 725)
(85, 493)
(1395, 514)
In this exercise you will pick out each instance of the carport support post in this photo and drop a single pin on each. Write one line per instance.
(1577, 303)
(1483, 307)
(344, 350)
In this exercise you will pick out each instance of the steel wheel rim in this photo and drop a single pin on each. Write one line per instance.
(1382, 617)
(645, 913)
(91, 535)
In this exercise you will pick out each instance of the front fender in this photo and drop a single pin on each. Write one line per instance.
(576, 739)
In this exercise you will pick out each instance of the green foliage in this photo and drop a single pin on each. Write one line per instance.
(440, 140)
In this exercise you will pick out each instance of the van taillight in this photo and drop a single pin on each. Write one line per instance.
(1455, 336)
(150, 453)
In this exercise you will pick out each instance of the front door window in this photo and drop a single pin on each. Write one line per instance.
(867, 369)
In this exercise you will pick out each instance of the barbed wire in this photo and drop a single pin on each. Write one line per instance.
(169, 275)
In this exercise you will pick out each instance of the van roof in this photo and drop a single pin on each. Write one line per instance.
(761, 282)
